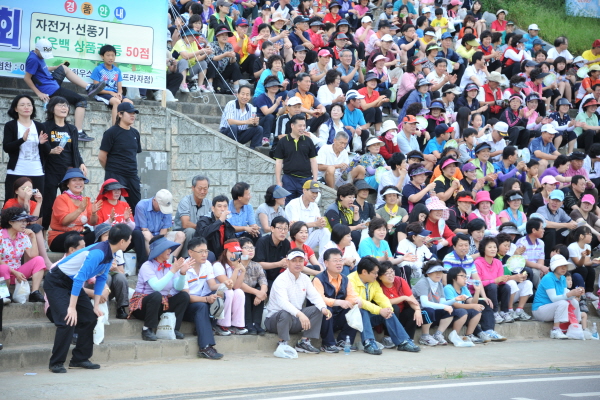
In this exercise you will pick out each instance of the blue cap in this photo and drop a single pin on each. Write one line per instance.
(343, 22)
(557, 195)
(437, 104)
(74, 173)
(446, 35)
(241, 22)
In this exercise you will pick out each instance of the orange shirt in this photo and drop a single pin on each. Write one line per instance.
(63, 206)
(369, 99)
(437, 172)
(104, 212)
(336, 283)
(15, 203)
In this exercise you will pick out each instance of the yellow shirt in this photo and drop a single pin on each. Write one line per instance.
(182, 46)
(440, 22)
(589, 56)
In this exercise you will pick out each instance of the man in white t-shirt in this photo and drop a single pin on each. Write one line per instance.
(476, 73)
(306, 210)
(496, 139)
(561, 44)
(332, 160)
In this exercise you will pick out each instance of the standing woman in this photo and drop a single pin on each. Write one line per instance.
(60, 158)
(26, 145)
(72, 211)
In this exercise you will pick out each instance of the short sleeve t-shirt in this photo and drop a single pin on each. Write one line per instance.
(11, 251)
(122, 146)
(433, 145)
(111, 77)
(451, 293)
(308, 252)
(367, 247)
(264, 101)
(538, 144)
(575, 250)
(58, 163)
(37, 67)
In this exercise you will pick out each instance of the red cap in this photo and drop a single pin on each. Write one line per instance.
(409, 119)
(596, 43)
(232, 246)
(466, 199)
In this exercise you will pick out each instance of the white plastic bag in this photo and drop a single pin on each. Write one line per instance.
(285, 351)
(21, 293)
(356, 143)
(166, 326)
(354, 318)
(575, 331)
(103, 320)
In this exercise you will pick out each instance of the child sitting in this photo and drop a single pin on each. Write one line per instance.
(371, 160)
(414, 244)
(437, 309)
(584, 310)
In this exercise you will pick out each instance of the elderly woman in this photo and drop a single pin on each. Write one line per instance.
(15, 241)
(23, 193)
(26, 144)
(274, 68)
(446, 185)
(299, 236)
(330, 92)
(436, 223)
(553, 300)
(342, 240)
(223, 59)
(343, 211)
(421, 95)
(416, 192)
(269, 106)
(160, 287)
(72, 211)
(229, 265)
(271, 208)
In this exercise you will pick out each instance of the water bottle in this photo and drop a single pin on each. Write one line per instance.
(473, 282)
(594, 333)
(347, 344)
(271, 139)
(64, 140)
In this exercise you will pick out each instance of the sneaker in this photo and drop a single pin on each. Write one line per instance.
(591, 296)
(557, 334)
(521, 315)
(265, 142)
(341, 344)
(121, 313)
(179, 335)
(193, 88)
(210, 353)
(251, 331)
(409, 346)
(475, 339)
(36, 297)
(87, 364)
(506, 316)
(384, 114)
(485, 338)
(238, 331)
(260, 331)
(428, 340)
(439, 336)
(83, 137)
(304, 346)
(58, 369)
(6, 301)
(183, 88)
(495, 336)
(370, 347)
(148, 335)
(221, 331)
(498, 318)
(95, 88)
(387, 343)
(583, 306)
(330, 349)
(210, 88)
(395, 114)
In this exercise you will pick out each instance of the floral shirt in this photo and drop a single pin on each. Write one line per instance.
(11, 251)
(370, 160)
(217, 51)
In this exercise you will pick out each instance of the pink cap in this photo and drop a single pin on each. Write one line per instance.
(324, 53)
(448, 162)
(588, 198)
(549, 179)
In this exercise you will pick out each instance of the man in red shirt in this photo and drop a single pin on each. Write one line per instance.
(493, 94)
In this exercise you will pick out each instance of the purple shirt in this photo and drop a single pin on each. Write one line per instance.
(149, 270)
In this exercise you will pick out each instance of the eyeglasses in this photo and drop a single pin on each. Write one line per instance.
(462, 275)
(282, 228)
(62, 105)
(390, 273)
(248, 248)
(199, 252)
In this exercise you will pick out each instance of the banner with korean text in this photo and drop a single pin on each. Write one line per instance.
(78, 29)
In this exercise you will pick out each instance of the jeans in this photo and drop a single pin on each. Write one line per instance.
(336, 323)
(199, 315)
(394, 328)
(253, 134)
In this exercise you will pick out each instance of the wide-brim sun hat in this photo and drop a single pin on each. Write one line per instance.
(159, 246)
(482, 195)
(560, 261)
(100, 230)
(388, 125)
(361, 184)
(434, 203)
(74, 173)
(373, 140)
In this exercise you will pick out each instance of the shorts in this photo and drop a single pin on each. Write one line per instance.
(105, 98)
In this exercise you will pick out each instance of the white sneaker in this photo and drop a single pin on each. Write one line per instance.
(506, 316)
(495, 336)
(591, 296)
(395, 114)
(498, 318)
(184, 88)
(521, 315)
(194, 88)
(557, 334)
(485, 338)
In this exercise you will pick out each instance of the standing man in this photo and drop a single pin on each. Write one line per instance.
(285, 313)
(239, 122)
(296, 156)
(242, 214)
(118, 152)
(191, 208)
(69, 304)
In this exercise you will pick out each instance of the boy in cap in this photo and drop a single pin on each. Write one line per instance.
(530, 36)
(592, 56)
(46, 82)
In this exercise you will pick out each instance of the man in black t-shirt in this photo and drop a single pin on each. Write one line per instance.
(118, 150)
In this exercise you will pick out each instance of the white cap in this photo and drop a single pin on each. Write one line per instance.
(366, 19)
(501, 126)
(533, 27)
(391, 191)
(293, 101)
(164, 198)
(45, 48)
(380, 57)
(426, 10)
(387, 38)
(429, 33)
(549, 128)
(373, 140)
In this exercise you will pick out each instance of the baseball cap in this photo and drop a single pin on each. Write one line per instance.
(549, 179)
(341, 36)
(299, 48)
(223, 3)
(366, 19)
(387, 38)
(425, 10)
(577, 155)
(442, 128)
(343, 22)
(502, 128)
(557, 195)
(467, 199)
(353, 94)
(424, 82)
(127, 107)
(588, 198)
(294, 254)
(409, 119)
(293, 101)
(538, 41)
(446, 35)
(164, 198)
(471, 86)
(316, 23)
(510, 23)
(502, 11)
(324, 53)
(549, 128)
(388, 5)
(533, 27)
(45, 48)
(380, 57)
(241, 22)
(299, 19)
(313, 186)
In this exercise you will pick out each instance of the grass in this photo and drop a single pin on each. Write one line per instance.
(551, 17)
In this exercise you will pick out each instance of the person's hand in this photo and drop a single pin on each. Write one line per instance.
(211, 299)
(309, 46)
(19, 276)
(321, 222)
(44, 98)
(83, 205)
(283, 263)
(26, 134)
(386, 312)
(304, 321)
(462, 297)
(384, 78)
(254, 230)
(326, 313)
(455, 184)
(29, 233)
(256, 301)
(501, 279)
(71, 317)
(228, 283)
(104, 296)
(38, 196)
(410, 257)
(57, 150)
(224, 215)
(448, 309)
(586, 252)
(521, 166)
(578, 291)
(344, 304)
(519, 278)
(418, 317)
(113, 266)
(571, 225)
(96, 206)
(520, 250)
(262, 296)
(127, 214)
(186, 265)
(339, 99)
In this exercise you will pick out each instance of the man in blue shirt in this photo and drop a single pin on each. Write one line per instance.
(353, 119)
(242, 214)
(154, 217)
(530, 36)
(70, 305)
(542, 149)
(299, 36)
(46, 81)
(436, 146)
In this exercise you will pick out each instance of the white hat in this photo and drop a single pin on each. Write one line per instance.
(373, 140)
(426, 10)
(391, 191)
(353, 94)
(293, 101)
(380, 57)
(388, 125)
(387, 38)
(501, 11)
(429, 33)
(558, 261)
(366, 19)
(501, 126)
(549, 128)
(164, 198)
(45, 48)
(533, 27)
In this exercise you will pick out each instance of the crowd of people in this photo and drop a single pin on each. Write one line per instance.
(428, 211)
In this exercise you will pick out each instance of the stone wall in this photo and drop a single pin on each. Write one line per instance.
(192, 149)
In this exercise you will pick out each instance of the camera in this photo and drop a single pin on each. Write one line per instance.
(34, 191)
(237, 256)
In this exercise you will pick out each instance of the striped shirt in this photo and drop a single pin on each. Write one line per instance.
(453, 260)
(533, 251)
(196, 282)
(233, 111)
(91, 261)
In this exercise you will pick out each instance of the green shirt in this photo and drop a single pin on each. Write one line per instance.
(583, 117)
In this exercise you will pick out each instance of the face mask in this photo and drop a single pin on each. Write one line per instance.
(389, 135)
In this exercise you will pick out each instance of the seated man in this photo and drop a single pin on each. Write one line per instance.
(377, 309)
(239, 122)
(354, 119)
(534, 248)
(332, 161)
(153, 217)
(542, 149)
(305, 209)
(242, 214)
(340, 297)
(190, 209)
(352, 75)
(215, 227)
(272, 249)
(46, 82)
(558, 222)
(314, 110)
(285, 313)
